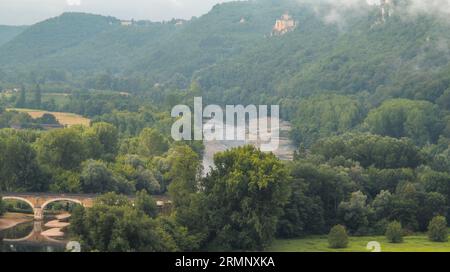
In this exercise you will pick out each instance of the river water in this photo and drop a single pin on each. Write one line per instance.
(29, 237)
(285, 150)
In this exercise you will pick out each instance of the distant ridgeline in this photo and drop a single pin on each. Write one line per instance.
(251, 51)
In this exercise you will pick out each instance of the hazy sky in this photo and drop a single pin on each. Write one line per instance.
(19, 12)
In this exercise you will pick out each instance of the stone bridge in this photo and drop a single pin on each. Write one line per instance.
(38, 202)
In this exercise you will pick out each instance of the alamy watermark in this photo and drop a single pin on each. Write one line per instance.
(236, 123)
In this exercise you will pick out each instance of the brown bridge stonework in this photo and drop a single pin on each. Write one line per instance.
(39, 202)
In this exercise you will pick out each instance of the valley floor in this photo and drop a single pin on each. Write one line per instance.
(415, 243)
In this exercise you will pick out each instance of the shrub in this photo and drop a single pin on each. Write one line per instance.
(437, 229)
(394, 232)
(338, 237)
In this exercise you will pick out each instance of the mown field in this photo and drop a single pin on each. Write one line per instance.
(415, 243)
(64, 118)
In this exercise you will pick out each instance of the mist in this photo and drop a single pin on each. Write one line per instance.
(26, 12)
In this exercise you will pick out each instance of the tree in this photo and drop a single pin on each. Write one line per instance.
(97, 178)
(244, 196)
(383, 205)
(394, 232)
(62, 148)
(184, 170)
(19, 170)
(302, 215)
(37, 101)
(107, 136)
(185, 241)
(328, 185)
(325, 115)
(145, 203)
(152, 143)
(114, 225)
(136, 170)
(338, 238)
(418, 120)
(430, 205)
(21, 100)
(47, 119)
(438, 229)
(371, 150)
(354, 213)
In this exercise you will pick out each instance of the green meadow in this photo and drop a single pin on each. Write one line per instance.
(414, 243)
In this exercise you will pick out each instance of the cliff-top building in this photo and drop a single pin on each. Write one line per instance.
(284, 25)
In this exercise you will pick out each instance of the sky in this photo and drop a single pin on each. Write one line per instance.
(26, 12)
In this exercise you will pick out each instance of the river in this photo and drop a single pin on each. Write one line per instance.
(285, 150)
(35, 236)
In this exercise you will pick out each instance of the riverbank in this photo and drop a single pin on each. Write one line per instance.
(10, 220)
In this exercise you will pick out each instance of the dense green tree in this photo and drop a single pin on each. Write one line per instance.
(355, 213)
(106, 135)
(386, 179)
(136, 170)
(152, 143)
(328, 185)
(184, 240)
(394, 232)
(96, 177)
(418, 120)
(116, 226)
(325, 115)
(62, 148)
(19, 170)
(371, 150)
(434, 181)
(65, 181)
(48, 119)
(245, 195)
(146, 204)
(338, 238)
(438, 229)
(430, 205)
(184, 170)
(302, 215)
(383, 205)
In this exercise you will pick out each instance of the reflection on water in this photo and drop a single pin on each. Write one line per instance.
(27, 237)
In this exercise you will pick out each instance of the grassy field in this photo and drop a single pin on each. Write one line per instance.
(416, 243)
(64, 118)
(59, 98)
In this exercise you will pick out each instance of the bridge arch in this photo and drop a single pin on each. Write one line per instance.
(76, 201)
(20, 199)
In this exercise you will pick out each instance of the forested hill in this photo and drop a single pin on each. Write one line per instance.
(77, 41)
(7, 33)
(230, 51)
